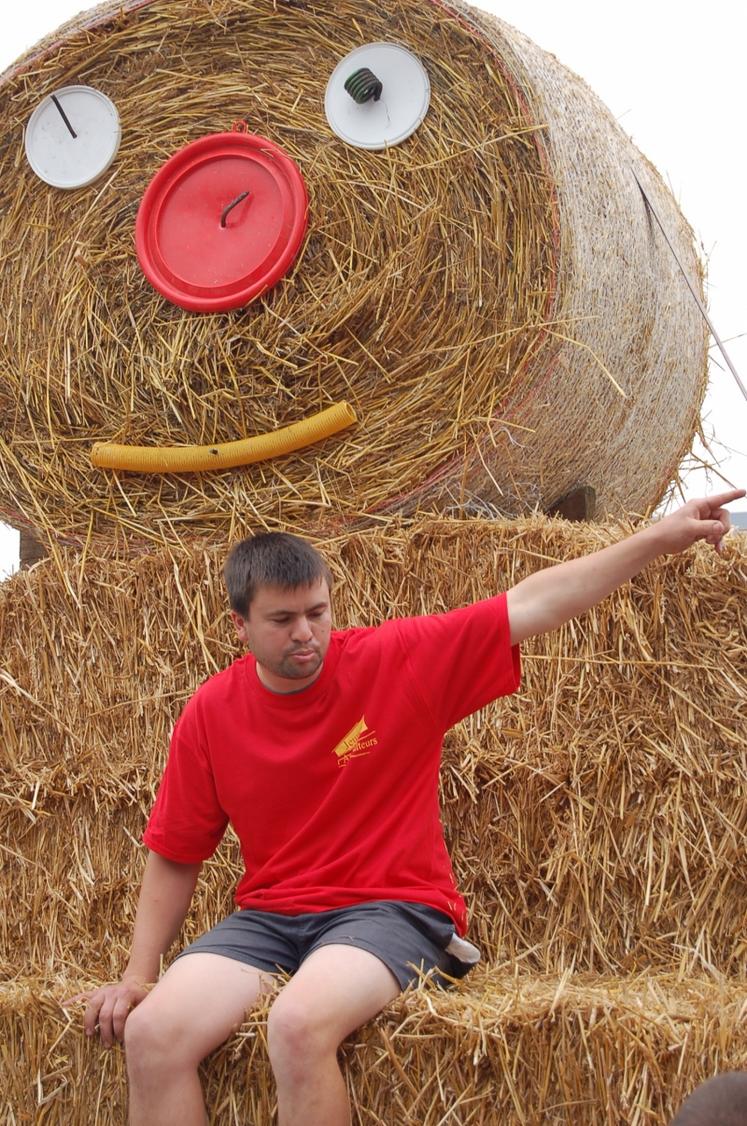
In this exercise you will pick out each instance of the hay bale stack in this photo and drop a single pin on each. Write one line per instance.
(506, 1048)
(597, 819)
(490, 296)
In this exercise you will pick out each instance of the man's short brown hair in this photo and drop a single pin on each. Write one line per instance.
(270, 559)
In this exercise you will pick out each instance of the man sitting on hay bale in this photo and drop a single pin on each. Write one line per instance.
(322, 749)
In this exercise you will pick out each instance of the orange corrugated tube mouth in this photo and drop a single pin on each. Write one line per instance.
(225, 455)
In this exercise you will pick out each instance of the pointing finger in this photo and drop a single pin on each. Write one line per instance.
(719, 499)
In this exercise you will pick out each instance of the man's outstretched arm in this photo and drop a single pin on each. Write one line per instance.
(545, 600)
(165, 896)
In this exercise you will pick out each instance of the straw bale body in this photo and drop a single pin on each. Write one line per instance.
(507, 1049)
(597, 822)
(490, 296)
(597, 819)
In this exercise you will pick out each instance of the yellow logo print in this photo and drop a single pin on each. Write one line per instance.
(358, 741)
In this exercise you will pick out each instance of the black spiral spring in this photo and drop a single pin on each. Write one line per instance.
(363, 85)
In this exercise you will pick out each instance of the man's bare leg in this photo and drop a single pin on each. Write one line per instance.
(336, 990)
(194, 1008)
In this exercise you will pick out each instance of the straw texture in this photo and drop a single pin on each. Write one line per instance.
(492, 302)
(597, 822)
(504, 1048)
(597, 819)
(489, 296)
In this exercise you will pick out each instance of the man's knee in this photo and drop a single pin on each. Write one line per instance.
(153, 1045)
(297, 1036)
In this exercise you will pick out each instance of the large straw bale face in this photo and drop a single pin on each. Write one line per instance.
(489, 296)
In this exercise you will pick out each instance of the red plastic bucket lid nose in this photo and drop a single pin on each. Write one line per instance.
(221, 222)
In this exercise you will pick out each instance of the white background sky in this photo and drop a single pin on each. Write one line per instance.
(672, 73)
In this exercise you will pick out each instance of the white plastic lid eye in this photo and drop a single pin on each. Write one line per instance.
(398, 111)
(72, 136)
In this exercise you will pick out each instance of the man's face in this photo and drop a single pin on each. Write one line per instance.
(288, 633)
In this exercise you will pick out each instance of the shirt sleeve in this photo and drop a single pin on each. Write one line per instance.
(187, 822)
(461, 660)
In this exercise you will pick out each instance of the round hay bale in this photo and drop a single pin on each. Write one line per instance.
(490, 297)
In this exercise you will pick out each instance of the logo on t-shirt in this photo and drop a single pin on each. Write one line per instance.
(358, 741)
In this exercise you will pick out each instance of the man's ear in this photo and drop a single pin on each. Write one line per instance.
(240, 624)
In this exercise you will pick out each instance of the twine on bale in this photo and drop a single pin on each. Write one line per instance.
(693, 291)
(447, 288)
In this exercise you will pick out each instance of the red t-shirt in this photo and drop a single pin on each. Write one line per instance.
(333, 790)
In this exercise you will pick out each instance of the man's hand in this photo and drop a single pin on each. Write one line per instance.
(165, 896)
(704, 519)
(108, 1008)
(546, 599)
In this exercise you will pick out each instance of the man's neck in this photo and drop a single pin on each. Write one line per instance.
(277, 691)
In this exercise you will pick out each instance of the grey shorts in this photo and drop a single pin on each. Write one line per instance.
(409, 938)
